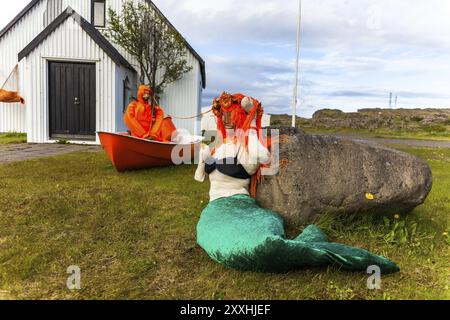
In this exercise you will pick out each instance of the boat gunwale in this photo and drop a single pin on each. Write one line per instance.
(147, 141)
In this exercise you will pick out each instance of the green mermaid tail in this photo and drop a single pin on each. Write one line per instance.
(239, 234)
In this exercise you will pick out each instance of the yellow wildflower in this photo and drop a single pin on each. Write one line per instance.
(370, 196)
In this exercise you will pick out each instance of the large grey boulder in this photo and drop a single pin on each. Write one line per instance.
(320, 175)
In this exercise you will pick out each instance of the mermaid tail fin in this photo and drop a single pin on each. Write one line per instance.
(312, 234)
(350, 258)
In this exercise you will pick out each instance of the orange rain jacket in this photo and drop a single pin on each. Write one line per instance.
(139, 117)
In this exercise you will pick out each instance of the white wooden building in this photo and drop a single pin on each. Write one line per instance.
(74, 80)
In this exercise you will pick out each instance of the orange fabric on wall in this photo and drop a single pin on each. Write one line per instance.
(10, 97)
(139, 117)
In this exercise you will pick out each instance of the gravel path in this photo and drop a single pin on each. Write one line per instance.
(406, 142)
(21, 152)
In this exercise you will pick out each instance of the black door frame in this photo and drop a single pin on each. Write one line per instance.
(69, 136)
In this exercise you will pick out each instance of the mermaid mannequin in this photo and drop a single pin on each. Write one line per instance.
(239, 234)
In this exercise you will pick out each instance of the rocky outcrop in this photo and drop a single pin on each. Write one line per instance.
(373, 119)
(319, 175)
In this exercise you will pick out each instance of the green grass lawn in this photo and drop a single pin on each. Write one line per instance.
(133, 236)
(13, 138)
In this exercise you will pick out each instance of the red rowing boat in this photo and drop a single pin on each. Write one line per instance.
(129, 153)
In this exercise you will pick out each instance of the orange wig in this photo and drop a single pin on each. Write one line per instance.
(242, 120)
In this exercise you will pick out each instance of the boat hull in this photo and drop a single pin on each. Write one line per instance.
(128, 153)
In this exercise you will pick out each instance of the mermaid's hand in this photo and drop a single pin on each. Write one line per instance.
(200, 173)
(205, 152)
(247, 104)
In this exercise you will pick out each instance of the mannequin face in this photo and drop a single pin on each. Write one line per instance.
(146, 96)
(226, 118)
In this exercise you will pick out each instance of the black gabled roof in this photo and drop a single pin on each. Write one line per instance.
(101, 41)
(190, 48)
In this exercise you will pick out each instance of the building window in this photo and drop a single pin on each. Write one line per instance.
(127, 95)
(99, 13)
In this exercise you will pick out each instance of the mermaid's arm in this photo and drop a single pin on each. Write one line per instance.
(200, 174)
(256, 153)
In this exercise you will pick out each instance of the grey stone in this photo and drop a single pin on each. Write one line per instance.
(326, 175)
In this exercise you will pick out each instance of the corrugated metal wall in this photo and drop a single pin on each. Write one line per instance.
(53, 9)
(180, 99)
(69, 42)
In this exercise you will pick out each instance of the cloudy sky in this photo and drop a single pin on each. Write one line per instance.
(353, 52)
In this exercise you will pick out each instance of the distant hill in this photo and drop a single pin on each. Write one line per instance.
(374, 119)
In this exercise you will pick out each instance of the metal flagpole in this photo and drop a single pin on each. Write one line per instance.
(295, 100)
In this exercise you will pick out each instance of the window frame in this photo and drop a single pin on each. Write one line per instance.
(126, 89)
(93, 13)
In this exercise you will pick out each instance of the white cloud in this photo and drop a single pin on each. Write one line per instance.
(354, 52)
(326, 22)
